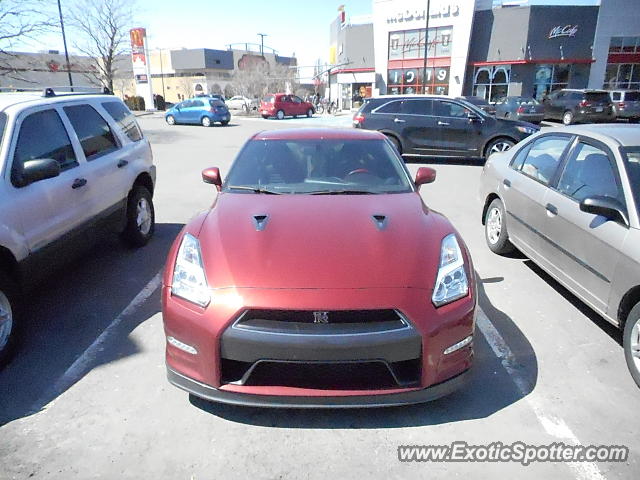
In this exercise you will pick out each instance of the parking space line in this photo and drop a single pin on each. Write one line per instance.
(554, 426)
(82, 363)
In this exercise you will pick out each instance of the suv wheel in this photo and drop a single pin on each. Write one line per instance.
(567, 118)
(280, 115)
(171, 120)
(8, 325)
(495, 228)
(140, 217)
(631, 343)
(205, 121)
(396, 143)
(498, 145)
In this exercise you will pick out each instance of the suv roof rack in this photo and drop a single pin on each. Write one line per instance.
(50, 92)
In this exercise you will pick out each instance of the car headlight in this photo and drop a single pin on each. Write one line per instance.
(451, 282)
(527, 130)
(189, 280)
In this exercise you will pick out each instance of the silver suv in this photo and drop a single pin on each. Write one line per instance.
(73, 167)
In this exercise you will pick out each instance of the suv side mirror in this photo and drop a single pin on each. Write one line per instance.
(607, 207)
(212, 176)
(425, 175)
(39, 169)
(473, 117)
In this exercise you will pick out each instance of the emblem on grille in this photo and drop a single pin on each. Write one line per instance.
(320, 317)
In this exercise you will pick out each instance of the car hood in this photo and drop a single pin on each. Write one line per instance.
(322, 241)
(516, 123)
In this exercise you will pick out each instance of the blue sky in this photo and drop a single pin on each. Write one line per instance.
(292, 26)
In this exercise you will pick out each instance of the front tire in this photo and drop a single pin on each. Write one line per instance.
(205, 121)
(140, 217)
(224, 123)
(309, 113)
(567, 118)
(265, 117)
(631, 343)
(171, 120)
(8, 324)
(498, 145)
(495, 228)
(280, 115)
(396, 143)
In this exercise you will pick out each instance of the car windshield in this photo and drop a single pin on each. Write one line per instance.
(597, 96)
(631, 157)
(269, 99)
(318, 166)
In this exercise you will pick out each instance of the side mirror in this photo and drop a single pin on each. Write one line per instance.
(607, 207)
(425, 175)
(39, 169)
(212, 176)
(473, 117)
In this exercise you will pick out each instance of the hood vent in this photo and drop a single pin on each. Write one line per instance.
(260, 222)
(380, 221)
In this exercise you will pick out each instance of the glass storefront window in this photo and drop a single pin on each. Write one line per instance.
(624, 44)
(409, 44)
(410, 80)
(549, 78)
(624, 75)
(492, 82)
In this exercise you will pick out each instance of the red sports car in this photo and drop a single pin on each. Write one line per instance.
(318, 278)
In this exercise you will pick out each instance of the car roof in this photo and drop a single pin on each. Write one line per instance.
(625, 135)
(584, 90)
(9, 99)
(318, 133)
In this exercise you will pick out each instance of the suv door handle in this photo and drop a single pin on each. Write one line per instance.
(552, 209)
(506, 182)
(122, 163)
(441, 123)
(79, 182)
(398, 120)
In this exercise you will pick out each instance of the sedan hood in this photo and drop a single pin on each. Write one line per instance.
(322, 241)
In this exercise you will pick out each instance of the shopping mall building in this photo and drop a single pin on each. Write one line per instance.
(492, 48)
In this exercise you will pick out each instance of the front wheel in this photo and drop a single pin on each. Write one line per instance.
(265, 116)
(631, 343)
(171, 120)
(309, 113)
(140, 217)
(396, 143)
(320, 109)
(224, 123)
(495, 228)
(567, 118)
(280, 115)
(8, 324)
(498, 145)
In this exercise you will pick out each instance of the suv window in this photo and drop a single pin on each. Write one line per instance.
(125, 119)
(391, 107)
(42, 135)
(575, 96)
(417, 107)
(93, 131)
(616, 96)
(544, 157)
(589, 172)
(449, 109)
(631, 96)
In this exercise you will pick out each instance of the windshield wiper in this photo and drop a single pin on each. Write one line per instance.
(341, 192)
(254, 189)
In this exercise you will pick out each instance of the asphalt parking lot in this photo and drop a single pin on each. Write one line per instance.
(87, 395)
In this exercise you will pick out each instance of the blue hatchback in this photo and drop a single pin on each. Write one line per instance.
(200, 110)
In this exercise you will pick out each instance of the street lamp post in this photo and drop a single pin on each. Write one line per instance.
(262, 35)
(64, 41)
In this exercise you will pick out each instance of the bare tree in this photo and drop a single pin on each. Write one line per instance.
(103, 34)
(20, 22)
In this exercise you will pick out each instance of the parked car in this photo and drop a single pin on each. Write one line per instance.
(319, 278)
(239, 102)
(77, 167)
(481, 103)
(569, 199)
(578, 106)
(626, 104)
(215, 96)
(204, 111)
(527, 109)
(282, 105)
(439, 126)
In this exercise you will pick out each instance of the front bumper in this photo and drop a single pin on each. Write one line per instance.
(298, 400)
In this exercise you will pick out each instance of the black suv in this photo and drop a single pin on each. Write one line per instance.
(573, 106)
(433, 125)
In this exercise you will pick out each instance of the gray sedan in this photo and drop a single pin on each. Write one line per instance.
(569, 199)
(520, 108)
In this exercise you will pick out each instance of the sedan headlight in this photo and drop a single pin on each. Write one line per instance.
(451, 282)
(527, 130)
(189, 280)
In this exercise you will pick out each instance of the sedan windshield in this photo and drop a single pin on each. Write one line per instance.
(318, 166)
(632, 164)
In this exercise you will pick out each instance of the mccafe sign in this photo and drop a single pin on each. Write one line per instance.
(563, 31)
(437, 10)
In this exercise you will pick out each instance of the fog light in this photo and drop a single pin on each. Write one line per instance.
(459, 345)
(182, 346)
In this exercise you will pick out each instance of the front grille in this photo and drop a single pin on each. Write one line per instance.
(365, 375)
(331, 316)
